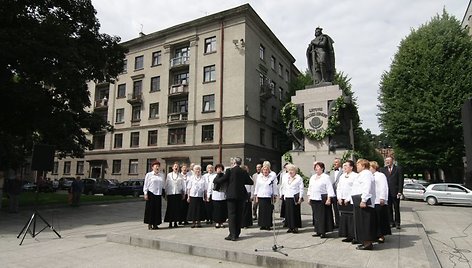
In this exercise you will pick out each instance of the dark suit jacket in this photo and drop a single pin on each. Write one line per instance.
(235, 178)
(394, 179)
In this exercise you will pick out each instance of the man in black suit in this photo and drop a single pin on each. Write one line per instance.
(236, 194)
(394, 176)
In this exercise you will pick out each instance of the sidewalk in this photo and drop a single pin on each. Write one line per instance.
(122, 223)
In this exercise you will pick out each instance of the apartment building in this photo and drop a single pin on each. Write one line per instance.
(198, 92)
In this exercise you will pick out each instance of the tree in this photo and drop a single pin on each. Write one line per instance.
(422, 93)
(48, 52)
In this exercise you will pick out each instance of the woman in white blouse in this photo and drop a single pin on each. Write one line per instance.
(218, 196)
(153, 185)
(292, 191)
(320, 192)
(209, 176)
(346, 221)
(184, 205)
(196, 190)
(381, 202)
(265, 193)
(175, 193)
(363, 200)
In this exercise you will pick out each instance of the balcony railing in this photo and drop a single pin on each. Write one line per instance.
(179, 61)
(178, 89)
(135, 98)
(101, 104)
(266, 91)
(177, 117)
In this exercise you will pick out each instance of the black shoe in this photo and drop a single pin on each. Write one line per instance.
(397, 226)
(392, 225)
(362, 247)
(295, 231)
(175, 225)
(289, 231)
(230, 238)
(170, 225)
(323, 236)
(149, 227)
(347, 240)
(155, 227)
(354, 242)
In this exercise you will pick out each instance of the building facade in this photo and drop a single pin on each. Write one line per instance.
(199, 92)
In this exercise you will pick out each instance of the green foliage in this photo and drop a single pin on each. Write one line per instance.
(48, 51)
(422, 93)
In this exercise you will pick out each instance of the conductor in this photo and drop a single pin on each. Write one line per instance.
(236, 194)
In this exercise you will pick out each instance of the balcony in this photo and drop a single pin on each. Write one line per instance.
(181, 61)
(177, 118)
(101, 104)
(135, 98)
(178, 90)
(266, 91)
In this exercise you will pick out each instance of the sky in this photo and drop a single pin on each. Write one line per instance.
(366, 32)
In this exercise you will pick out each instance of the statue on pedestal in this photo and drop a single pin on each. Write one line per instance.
(320, 56)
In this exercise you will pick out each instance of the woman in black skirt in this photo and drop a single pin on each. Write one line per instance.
(153, 185)
(184, 205)
(265, 193)
(197, 192)
(218, 195)
(175, 193)
(363, 199)
(320, 192)
(247, 209)
(292, 191)
(381, 201)
(346, 220)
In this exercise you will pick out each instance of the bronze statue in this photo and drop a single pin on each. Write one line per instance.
(320, 56)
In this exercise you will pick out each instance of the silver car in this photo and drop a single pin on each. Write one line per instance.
(413, 191)
(447, 193)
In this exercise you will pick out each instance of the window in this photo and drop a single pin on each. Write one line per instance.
(261, 52)
(274, 114)
(66, 167)
(272, 62)
(116, 168)
(121, 91)
(281, 93)
(263, 111)
(98, 141)
(125, 66)
(209, 103)
(55, 169)
(134, 142)
(441, 187)
(179, 106)
(210, 44)
(152, 138)
(275, 141)
(139, 62)
(120, 115)
(262, 136)
(136, 113)
(281, 67)
(80, 168)
(118, 142)
(137, 88)
(156, 58)
(205, 161)
(286, 75)
(133, 166)
(155, 83)
(207, 133)
(149, 162)
(209, 73)
(179, 78)
(456, 189)
(154, 110)
(176, 136)
(272, 86)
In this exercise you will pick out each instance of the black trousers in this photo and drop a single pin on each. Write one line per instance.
(394, 210)
(235, 215)
(334, 204)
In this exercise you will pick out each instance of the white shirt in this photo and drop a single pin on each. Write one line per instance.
(266, 186)
(186, 177)
(292, 186)
(175, 184)
(345, 186)
(381, 187)
(154, 183)
(318, 186)
(215, 195)
(197, 186)
(364, 185)
(283, 177)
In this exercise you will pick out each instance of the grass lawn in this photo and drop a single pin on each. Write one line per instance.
(28, 198)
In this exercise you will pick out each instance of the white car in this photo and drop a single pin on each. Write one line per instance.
(447, 193)
(413, 191)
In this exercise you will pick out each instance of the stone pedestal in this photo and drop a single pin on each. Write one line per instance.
(316, 102)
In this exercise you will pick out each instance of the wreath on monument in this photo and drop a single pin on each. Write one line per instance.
(289, 113)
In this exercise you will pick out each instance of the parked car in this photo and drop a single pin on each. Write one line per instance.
(29, 187)
(447, 193)
(65, 182)
(413, 191)
(97, 186)
(132, 187)
(422, 182)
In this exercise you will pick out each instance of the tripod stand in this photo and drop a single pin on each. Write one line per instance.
(275, 246)
(32, 221)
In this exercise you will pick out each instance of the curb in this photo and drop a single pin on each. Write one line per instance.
(428, 247)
